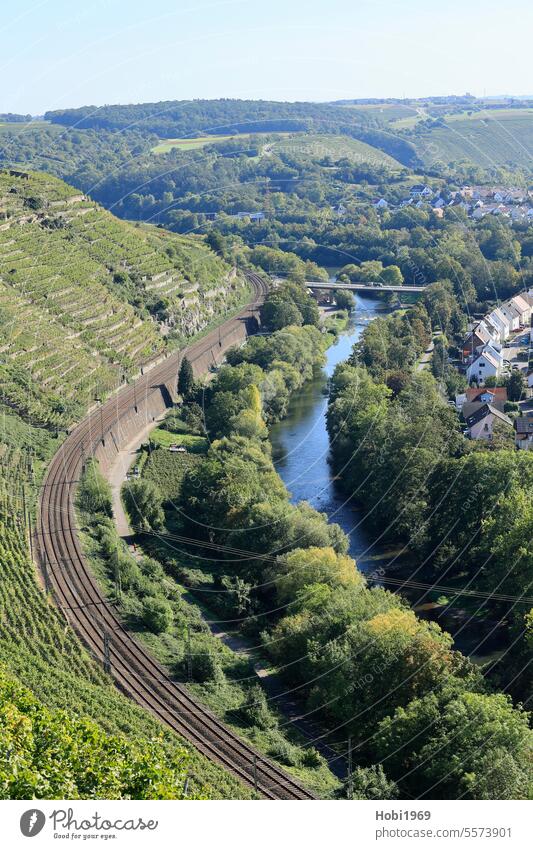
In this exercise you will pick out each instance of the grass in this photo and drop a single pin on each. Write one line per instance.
(192, 442)
(165, 145)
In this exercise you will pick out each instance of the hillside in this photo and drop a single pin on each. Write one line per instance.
(86, 298)
(58, 733)
(487, 138)
(336, 147)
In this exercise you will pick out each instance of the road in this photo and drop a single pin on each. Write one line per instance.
(425, 358)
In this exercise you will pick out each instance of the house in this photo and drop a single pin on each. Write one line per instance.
(524, 432)
(495, 395)
(481, 423)
(513, 314)
(521, 303)
(380, 204)
(483, 366)
(475, 398)
(478, 337)
(501, 323)
(420, 191)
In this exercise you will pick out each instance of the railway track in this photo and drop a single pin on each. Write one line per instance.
(93, 617)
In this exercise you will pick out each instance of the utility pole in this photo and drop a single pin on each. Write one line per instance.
(30, 536)
(349, 792)
(46, 576)
(107, 657)
(189, 654)
(255, 772)
(102, 421)
(118, 581)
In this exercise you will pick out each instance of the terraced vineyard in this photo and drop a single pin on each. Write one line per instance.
(85, 298)
(338, 147)
(491, 137)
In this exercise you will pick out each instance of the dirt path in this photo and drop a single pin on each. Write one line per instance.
(117, 475)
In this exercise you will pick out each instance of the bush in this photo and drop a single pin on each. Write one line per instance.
(157, 614)
(94, 492)
(255, 710)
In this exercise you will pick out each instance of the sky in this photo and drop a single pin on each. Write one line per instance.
(59, 53)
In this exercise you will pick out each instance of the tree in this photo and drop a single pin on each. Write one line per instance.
(277, 313)
(371, 782)
(143, 499)
(94, 493)
(516, 385)
(185, 379)
(157, 614)
(459, 745)
(344, 299)
(306, 566)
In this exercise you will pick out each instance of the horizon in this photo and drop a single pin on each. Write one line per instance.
(359, 100)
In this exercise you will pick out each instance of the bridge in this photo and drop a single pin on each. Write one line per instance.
(363, 287)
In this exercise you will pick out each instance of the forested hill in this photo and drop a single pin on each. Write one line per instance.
(86, 298)
(181, 118)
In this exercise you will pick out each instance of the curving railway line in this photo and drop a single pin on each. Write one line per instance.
(93, 617)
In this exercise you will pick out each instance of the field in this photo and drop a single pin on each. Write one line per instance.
(491, 137)
(338, 147)
(165, 145)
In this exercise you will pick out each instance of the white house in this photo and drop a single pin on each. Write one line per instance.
(521, 303)
(481, 423)
(501, 323)
(483, 366)
(513, 314)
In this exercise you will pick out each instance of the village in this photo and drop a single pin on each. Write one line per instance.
(515, 204)
(496, 361)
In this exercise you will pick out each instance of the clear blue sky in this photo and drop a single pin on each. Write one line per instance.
(58, 53)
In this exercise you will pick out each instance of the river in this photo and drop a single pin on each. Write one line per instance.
(300, 449)
(300, 443)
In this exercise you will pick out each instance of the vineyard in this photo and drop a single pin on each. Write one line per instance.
(85, 298)
(77, 292)
(73, 719)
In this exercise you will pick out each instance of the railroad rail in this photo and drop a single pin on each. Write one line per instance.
(92, 616)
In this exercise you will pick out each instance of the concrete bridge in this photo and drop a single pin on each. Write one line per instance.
(363, 287)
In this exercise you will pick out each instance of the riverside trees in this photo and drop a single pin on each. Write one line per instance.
(359, 657)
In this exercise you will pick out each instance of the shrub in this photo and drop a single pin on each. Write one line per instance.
(157, 614)
(255, 710)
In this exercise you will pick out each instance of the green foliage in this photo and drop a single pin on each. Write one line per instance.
(94, 493)
(142, 499)
(344, 299)
(50, 754)
(185, 379)
(156, 614)
(470, 745)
